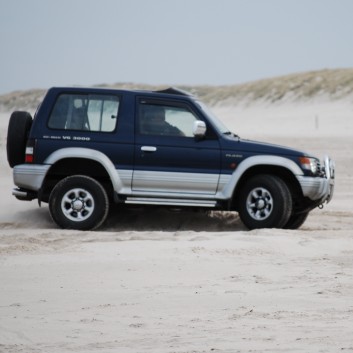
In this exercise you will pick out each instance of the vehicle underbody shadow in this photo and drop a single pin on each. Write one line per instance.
(151, 218)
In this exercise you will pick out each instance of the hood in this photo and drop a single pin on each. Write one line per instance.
(256, 147)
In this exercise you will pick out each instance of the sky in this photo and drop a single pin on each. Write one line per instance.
(45, 43)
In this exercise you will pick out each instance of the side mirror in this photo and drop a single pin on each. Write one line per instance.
(199, 128)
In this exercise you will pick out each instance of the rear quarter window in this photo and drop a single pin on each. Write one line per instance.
(81, 112)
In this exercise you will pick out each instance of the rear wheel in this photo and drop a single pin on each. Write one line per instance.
(17, 134)
(79, 202)
(265, 202)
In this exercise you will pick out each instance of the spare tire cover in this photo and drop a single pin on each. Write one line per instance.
(17, 134)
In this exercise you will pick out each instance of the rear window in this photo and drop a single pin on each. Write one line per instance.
(85, 113)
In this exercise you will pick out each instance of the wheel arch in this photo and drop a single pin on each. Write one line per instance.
(79, 161)
(286, 171)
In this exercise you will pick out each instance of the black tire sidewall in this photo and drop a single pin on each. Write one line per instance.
(92, 186)
(296, 220)
(17, 134)
(282, 202)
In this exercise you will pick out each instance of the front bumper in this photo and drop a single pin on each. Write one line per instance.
(320, 188)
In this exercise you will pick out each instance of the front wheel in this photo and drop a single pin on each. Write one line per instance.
(79, 202)
(265, 202)
(296, 220)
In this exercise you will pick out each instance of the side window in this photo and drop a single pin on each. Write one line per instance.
(167, 120)
(85, 113)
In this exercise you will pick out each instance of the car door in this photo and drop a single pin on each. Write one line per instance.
(168, 159)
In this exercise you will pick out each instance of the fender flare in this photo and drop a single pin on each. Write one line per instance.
(263, 160)
(87, 153)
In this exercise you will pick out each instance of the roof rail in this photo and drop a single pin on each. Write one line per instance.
(173, 90)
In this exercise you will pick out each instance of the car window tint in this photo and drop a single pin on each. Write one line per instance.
(156, 119)
(85, 113)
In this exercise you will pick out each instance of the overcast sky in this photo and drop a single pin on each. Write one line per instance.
(46, 43)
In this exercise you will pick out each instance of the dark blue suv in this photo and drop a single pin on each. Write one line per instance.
(86, 148)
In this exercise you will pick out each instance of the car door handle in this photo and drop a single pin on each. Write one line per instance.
(148, 149)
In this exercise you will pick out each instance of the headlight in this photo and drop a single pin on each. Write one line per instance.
(311, 164)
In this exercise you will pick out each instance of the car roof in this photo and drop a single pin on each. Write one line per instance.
(171, 91)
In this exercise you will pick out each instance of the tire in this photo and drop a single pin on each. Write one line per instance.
(17, 134)
(296, 220)
(79, 202)
(265, 202)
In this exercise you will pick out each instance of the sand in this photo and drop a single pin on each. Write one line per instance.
(160, 281)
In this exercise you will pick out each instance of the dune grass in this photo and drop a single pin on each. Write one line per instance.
(331, 83)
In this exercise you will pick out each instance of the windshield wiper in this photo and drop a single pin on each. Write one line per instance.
(229, 133)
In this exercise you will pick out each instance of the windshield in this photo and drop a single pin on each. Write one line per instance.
(217, 123)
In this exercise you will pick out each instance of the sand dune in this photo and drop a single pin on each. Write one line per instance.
(161, 281)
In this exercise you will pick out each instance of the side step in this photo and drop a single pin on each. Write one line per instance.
(170, 202)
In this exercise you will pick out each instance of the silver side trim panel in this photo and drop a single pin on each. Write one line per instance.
(224, 180)
(29, 176)
(175, 182)
(125, 177)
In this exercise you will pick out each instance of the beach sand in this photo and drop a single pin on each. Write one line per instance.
(182, 282)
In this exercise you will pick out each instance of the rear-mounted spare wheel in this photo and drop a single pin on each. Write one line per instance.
(17, 134)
